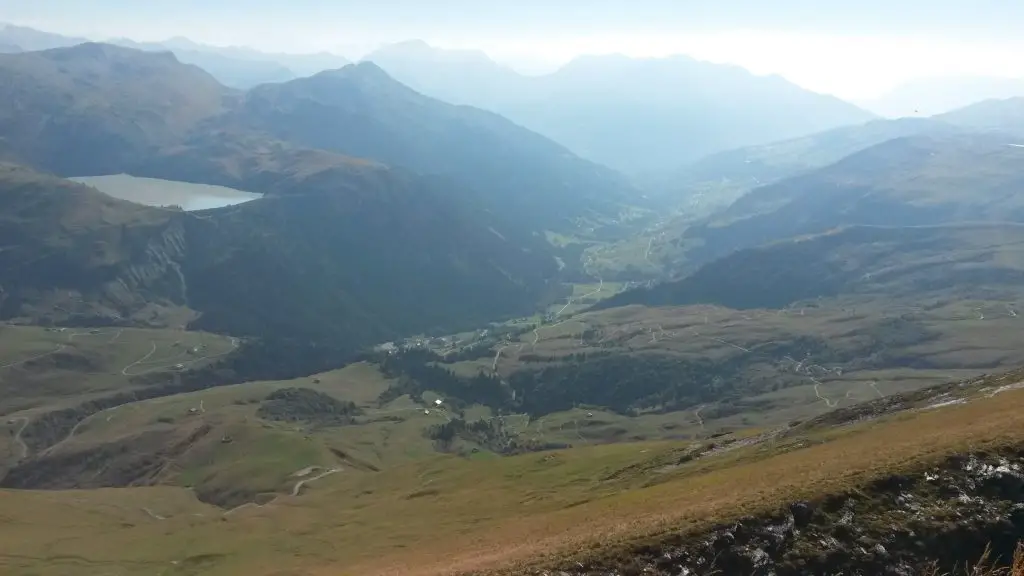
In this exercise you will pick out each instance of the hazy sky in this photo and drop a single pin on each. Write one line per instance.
(855, 49)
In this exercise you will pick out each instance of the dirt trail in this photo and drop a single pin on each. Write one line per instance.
(124, 371)
(153, 515)
(70, 434)
(497, 356)
(43, 355)
(17, 437)
(301, 483)
(817, 392)
(295, 490)
(874, 386)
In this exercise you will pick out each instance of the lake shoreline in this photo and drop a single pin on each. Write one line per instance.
(188, 196)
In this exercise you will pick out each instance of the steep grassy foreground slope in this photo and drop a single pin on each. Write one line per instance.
(619, 506)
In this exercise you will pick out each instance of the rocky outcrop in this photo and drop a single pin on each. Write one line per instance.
(900, 525)
(155, 271)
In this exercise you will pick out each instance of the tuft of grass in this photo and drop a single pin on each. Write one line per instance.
(985, 566)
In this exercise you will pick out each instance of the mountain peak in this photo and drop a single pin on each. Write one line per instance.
(421, 51)
(363, 71)
(99, 51)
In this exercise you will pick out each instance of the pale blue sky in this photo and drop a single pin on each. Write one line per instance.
(855, 48)
(228, 19)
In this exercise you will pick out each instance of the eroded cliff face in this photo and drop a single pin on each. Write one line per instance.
(111, 274)
(944, 517)
(153, 270)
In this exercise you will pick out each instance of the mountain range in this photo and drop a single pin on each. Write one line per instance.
(932, 96)
(411, 299)
(635, 115)
(96, 109)
(123, 110)
(237, 67)
(638, 116)
(438, 224)
(873, 263)
(358, 254)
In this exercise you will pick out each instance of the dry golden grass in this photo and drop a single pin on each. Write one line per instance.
(694, 502)
(984, 566)
(450, 515)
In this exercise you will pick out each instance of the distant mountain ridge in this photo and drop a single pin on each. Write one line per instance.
(151, 104)
(909, 181)
(997, 115)
(386, 213)
(721, 178)
(634, 115)
(753, 166)
(887, 262)
(361, 111)
(933, 96)
(236, 67)
(97, 109)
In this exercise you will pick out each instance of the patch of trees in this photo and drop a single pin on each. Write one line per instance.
(490, 434)
(627, 384)
(577, 357)
(623, 383)
(306, 405)
(469, 353)
(417, 371)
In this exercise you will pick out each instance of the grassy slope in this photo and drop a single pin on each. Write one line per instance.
(36, 375)
(910, 180)
(962, 344)
(448, 515)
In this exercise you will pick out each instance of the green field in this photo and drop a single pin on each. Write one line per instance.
(40, 366)
(949, 339)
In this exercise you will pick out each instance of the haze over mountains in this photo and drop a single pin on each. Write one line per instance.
(635, 115)
(931, 96)
(148, 126)
(235, 67)
(665, 274)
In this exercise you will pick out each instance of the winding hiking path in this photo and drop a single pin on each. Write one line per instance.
(600, 287)
(567, 304)
(17, 437)
(70, 434)
(124, 371)
(172, 361)
(817, 392)
(497, 356)
(153, 515)
(874, 386)
(301, 483)
(43, 355)
(295, 490)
